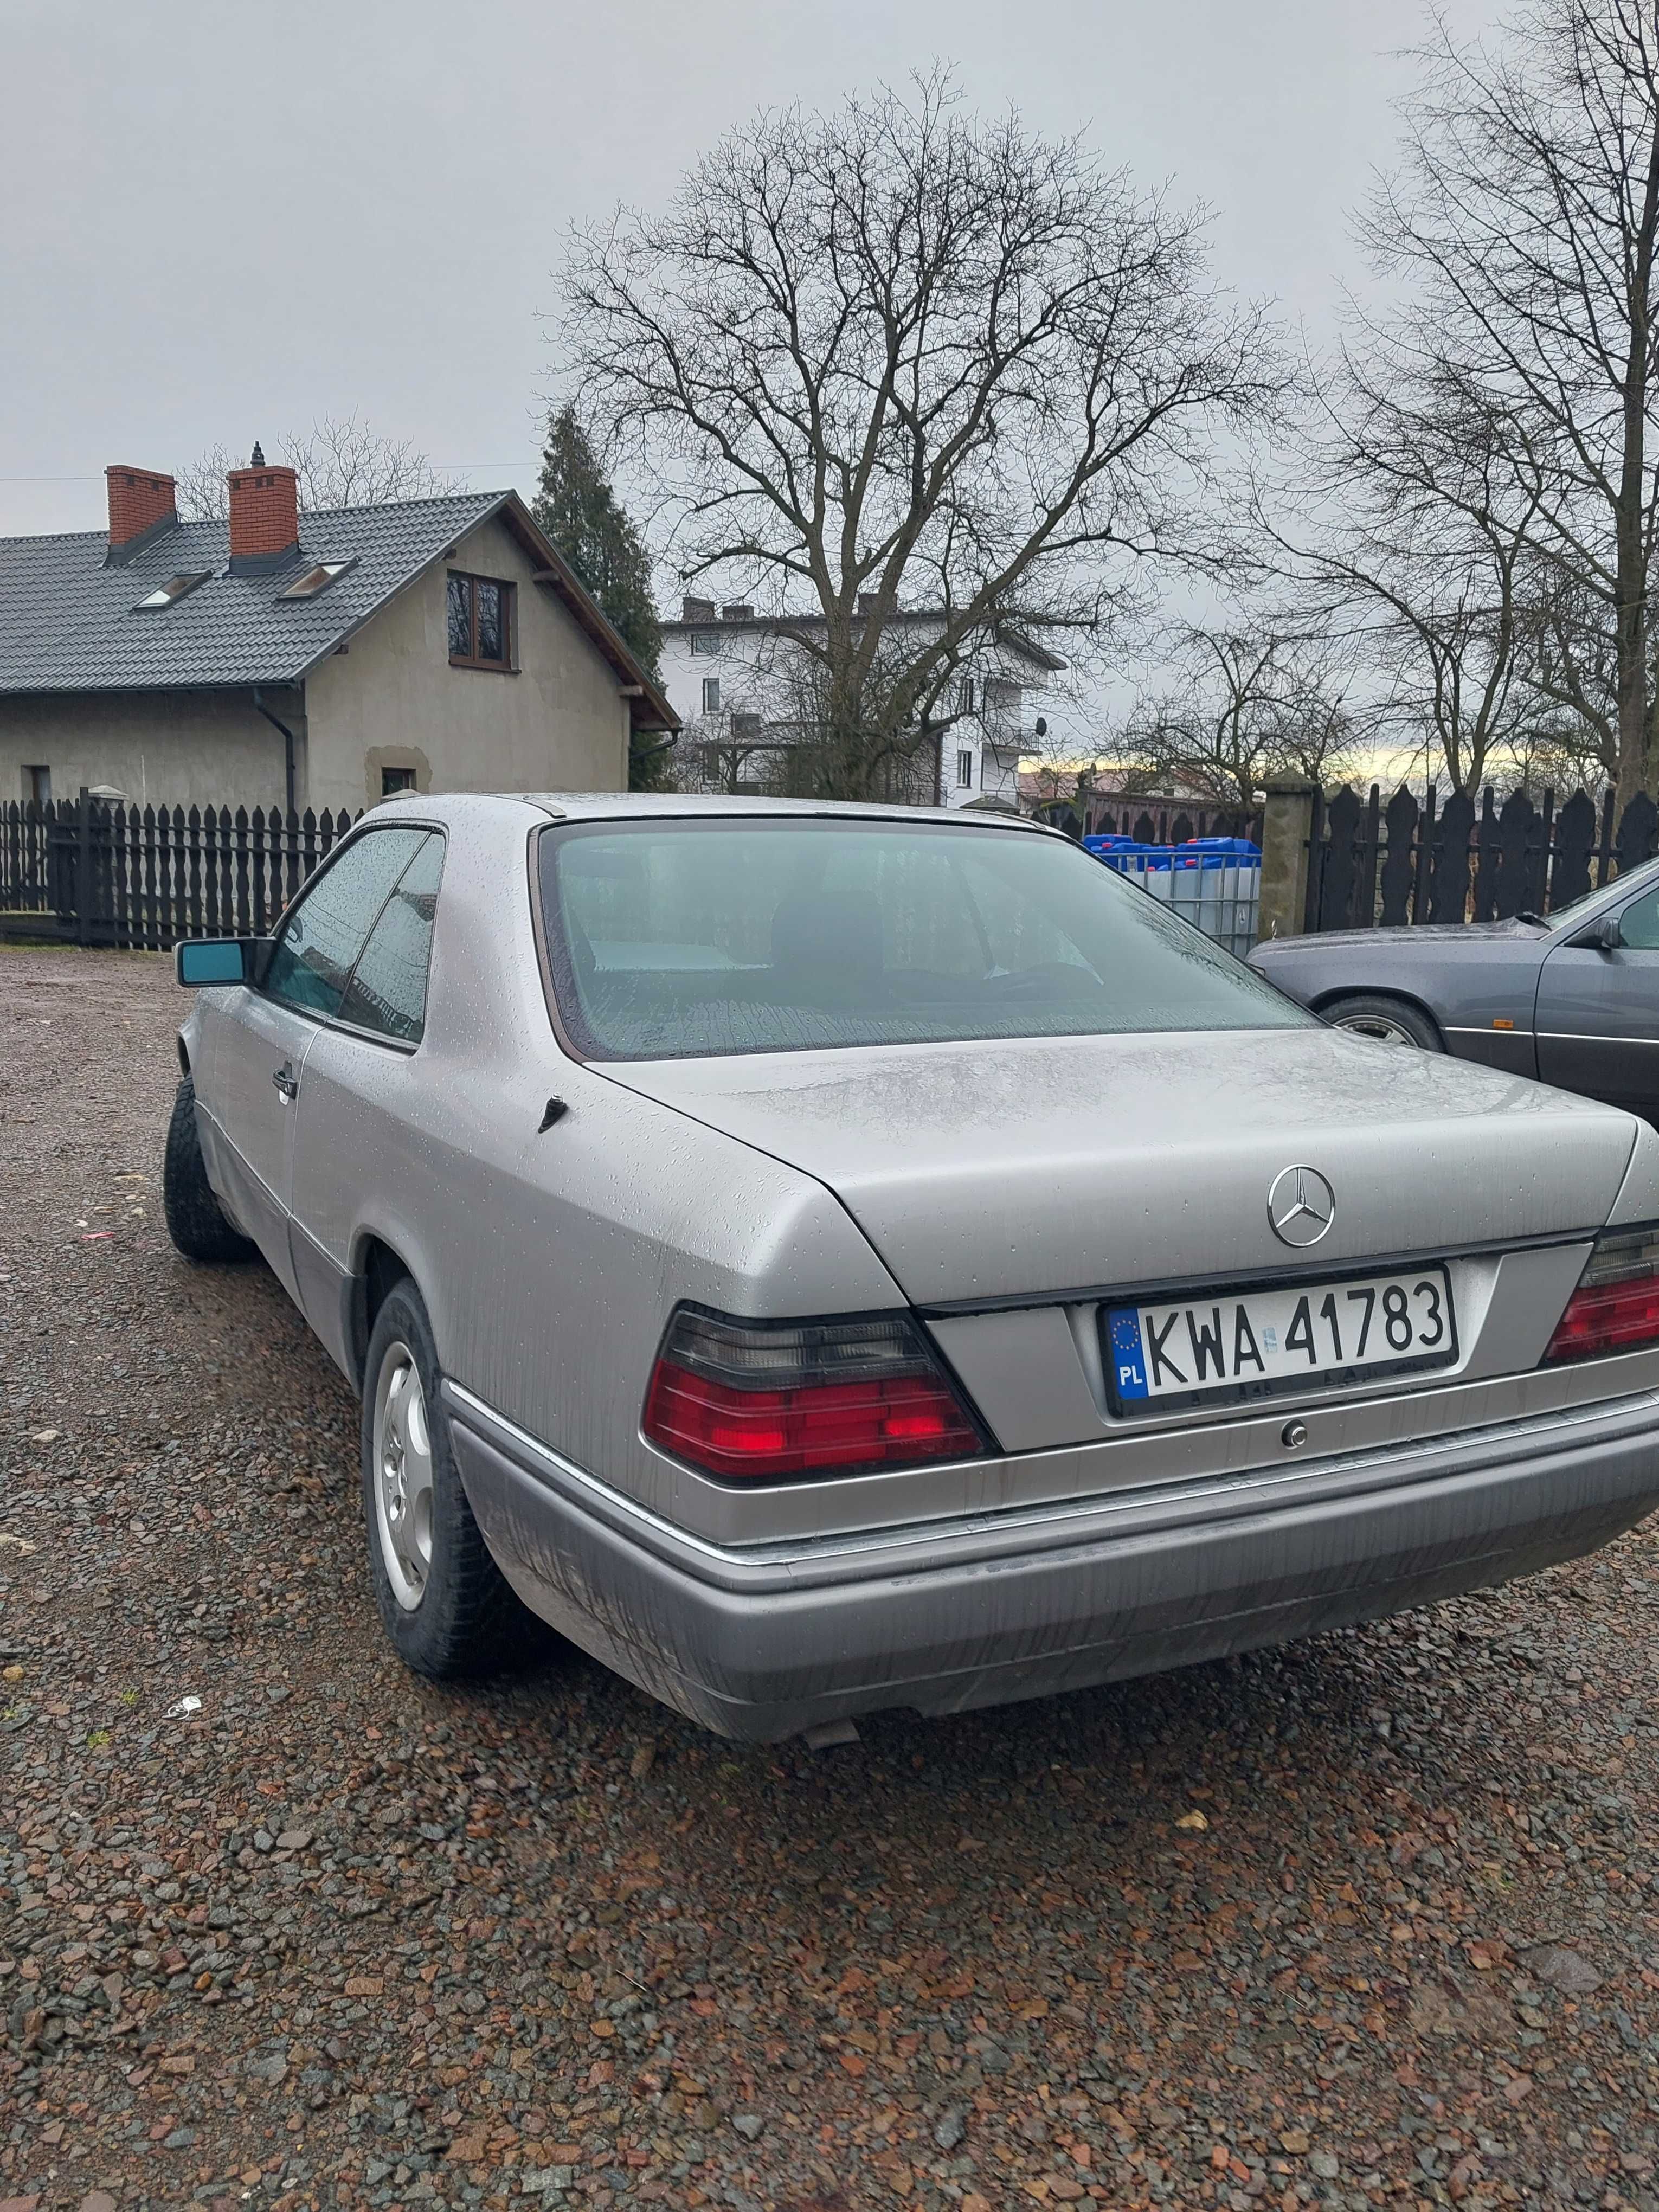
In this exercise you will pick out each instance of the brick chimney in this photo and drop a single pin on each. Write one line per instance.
(264, 516)
(142, 505)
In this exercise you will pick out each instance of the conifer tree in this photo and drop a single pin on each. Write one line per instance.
(578, 511)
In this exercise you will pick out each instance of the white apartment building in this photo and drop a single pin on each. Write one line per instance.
(726, 672)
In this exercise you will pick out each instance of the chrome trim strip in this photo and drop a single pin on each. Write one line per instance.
(1580, 1036)
(921, 1547)
(1145, 1291)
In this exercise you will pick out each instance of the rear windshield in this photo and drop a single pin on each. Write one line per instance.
(676, 939)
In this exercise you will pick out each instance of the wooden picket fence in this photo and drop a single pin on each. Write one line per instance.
(83, 872)
(1149, 821)
(1411, 862)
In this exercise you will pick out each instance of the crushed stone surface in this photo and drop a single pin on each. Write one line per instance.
(332, 1936)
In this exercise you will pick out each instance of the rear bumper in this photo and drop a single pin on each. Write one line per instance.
(764, 1641)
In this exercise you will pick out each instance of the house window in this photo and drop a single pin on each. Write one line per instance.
(480, 622)
(706, 642)
(965, 771)
(711, 695)
(394, 780)
(37, 787)
(966, 695)
(317, 579)
(174, 589)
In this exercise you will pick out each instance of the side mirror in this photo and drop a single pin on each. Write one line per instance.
(206, 963)
(1602, 936)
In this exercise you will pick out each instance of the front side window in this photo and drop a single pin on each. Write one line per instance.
(317, 946)
(674, 939)
(388, 990)
(1638, 925)
(480, 617)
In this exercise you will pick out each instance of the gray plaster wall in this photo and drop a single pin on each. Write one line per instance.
(558, 722)
(160, 748)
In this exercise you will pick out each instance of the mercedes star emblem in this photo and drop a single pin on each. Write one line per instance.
(1301, 1206)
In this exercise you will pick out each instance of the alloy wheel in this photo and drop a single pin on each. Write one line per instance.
(402, 1476)
(1379, 1027)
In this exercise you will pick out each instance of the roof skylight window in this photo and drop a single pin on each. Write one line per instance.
(316, 580)
(167, 594)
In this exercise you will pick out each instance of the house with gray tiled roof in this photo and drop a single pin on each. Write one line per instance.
(308, 660)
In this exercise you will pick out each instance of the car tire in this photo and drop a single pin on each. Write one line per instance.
(443, 1602)
(1389, 1021)
(196, 1221)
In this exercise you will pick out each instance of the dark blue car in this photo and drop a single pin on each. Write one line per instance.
(1573, 998)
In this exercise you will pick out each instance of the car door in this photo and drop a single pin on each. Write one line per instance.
(265, 1037)
(1598, 1012)
(256, 1057)
(358, 1155)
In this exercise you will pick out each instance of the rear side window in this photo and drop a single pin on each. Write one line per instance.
(317, 946)
(674, 939)
(388, 990)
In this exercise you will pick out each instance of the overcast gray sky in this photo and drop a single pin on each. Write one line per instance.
(226, 220)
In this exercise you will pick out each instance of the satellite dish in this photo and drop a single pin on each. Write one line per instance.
(1041, 726)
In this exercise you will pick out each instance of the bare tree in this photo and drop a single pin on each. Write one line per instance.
(901, 356)
(1406, 528)
(734, 751)
(340, 462)
(1527, 217)
(1245, 705)
(1572, 667)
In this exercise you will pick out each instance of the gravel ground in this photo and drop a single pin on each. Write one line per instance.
(1367, 1921)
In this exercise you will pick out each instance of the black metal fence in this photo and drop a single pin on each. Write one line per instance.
(83, 871)
(1410, 860)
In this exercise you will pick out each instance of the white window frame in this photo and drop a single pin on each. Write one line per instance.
(711, 695)
(964, 769)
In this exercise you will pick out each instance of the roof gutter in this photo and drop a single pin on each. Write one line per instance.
(260, 707)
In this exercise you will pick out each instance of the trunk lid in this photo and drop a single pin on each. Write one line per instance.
(993, 1172)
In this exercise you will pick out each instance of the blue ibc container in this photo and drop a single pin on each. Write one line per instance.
(1218, 885)
(1240, 847)
(1129, 857)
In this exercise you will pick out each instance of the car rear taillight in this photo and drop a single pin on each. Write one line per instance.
(1615, 1307)
(750, 1400)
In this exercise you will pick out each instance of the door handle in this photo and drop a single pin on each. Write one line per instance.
(287, 1082)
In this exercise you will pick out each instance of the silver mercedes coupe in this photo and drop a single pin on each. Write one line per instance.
(821, 1259)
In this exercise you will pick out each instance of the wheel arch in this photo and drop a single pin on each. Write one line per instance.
(378, 1268)
(1327, 1001)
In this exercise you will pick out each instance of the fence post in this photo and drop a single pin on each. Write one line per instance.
(1286, 827)
(83, 869)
